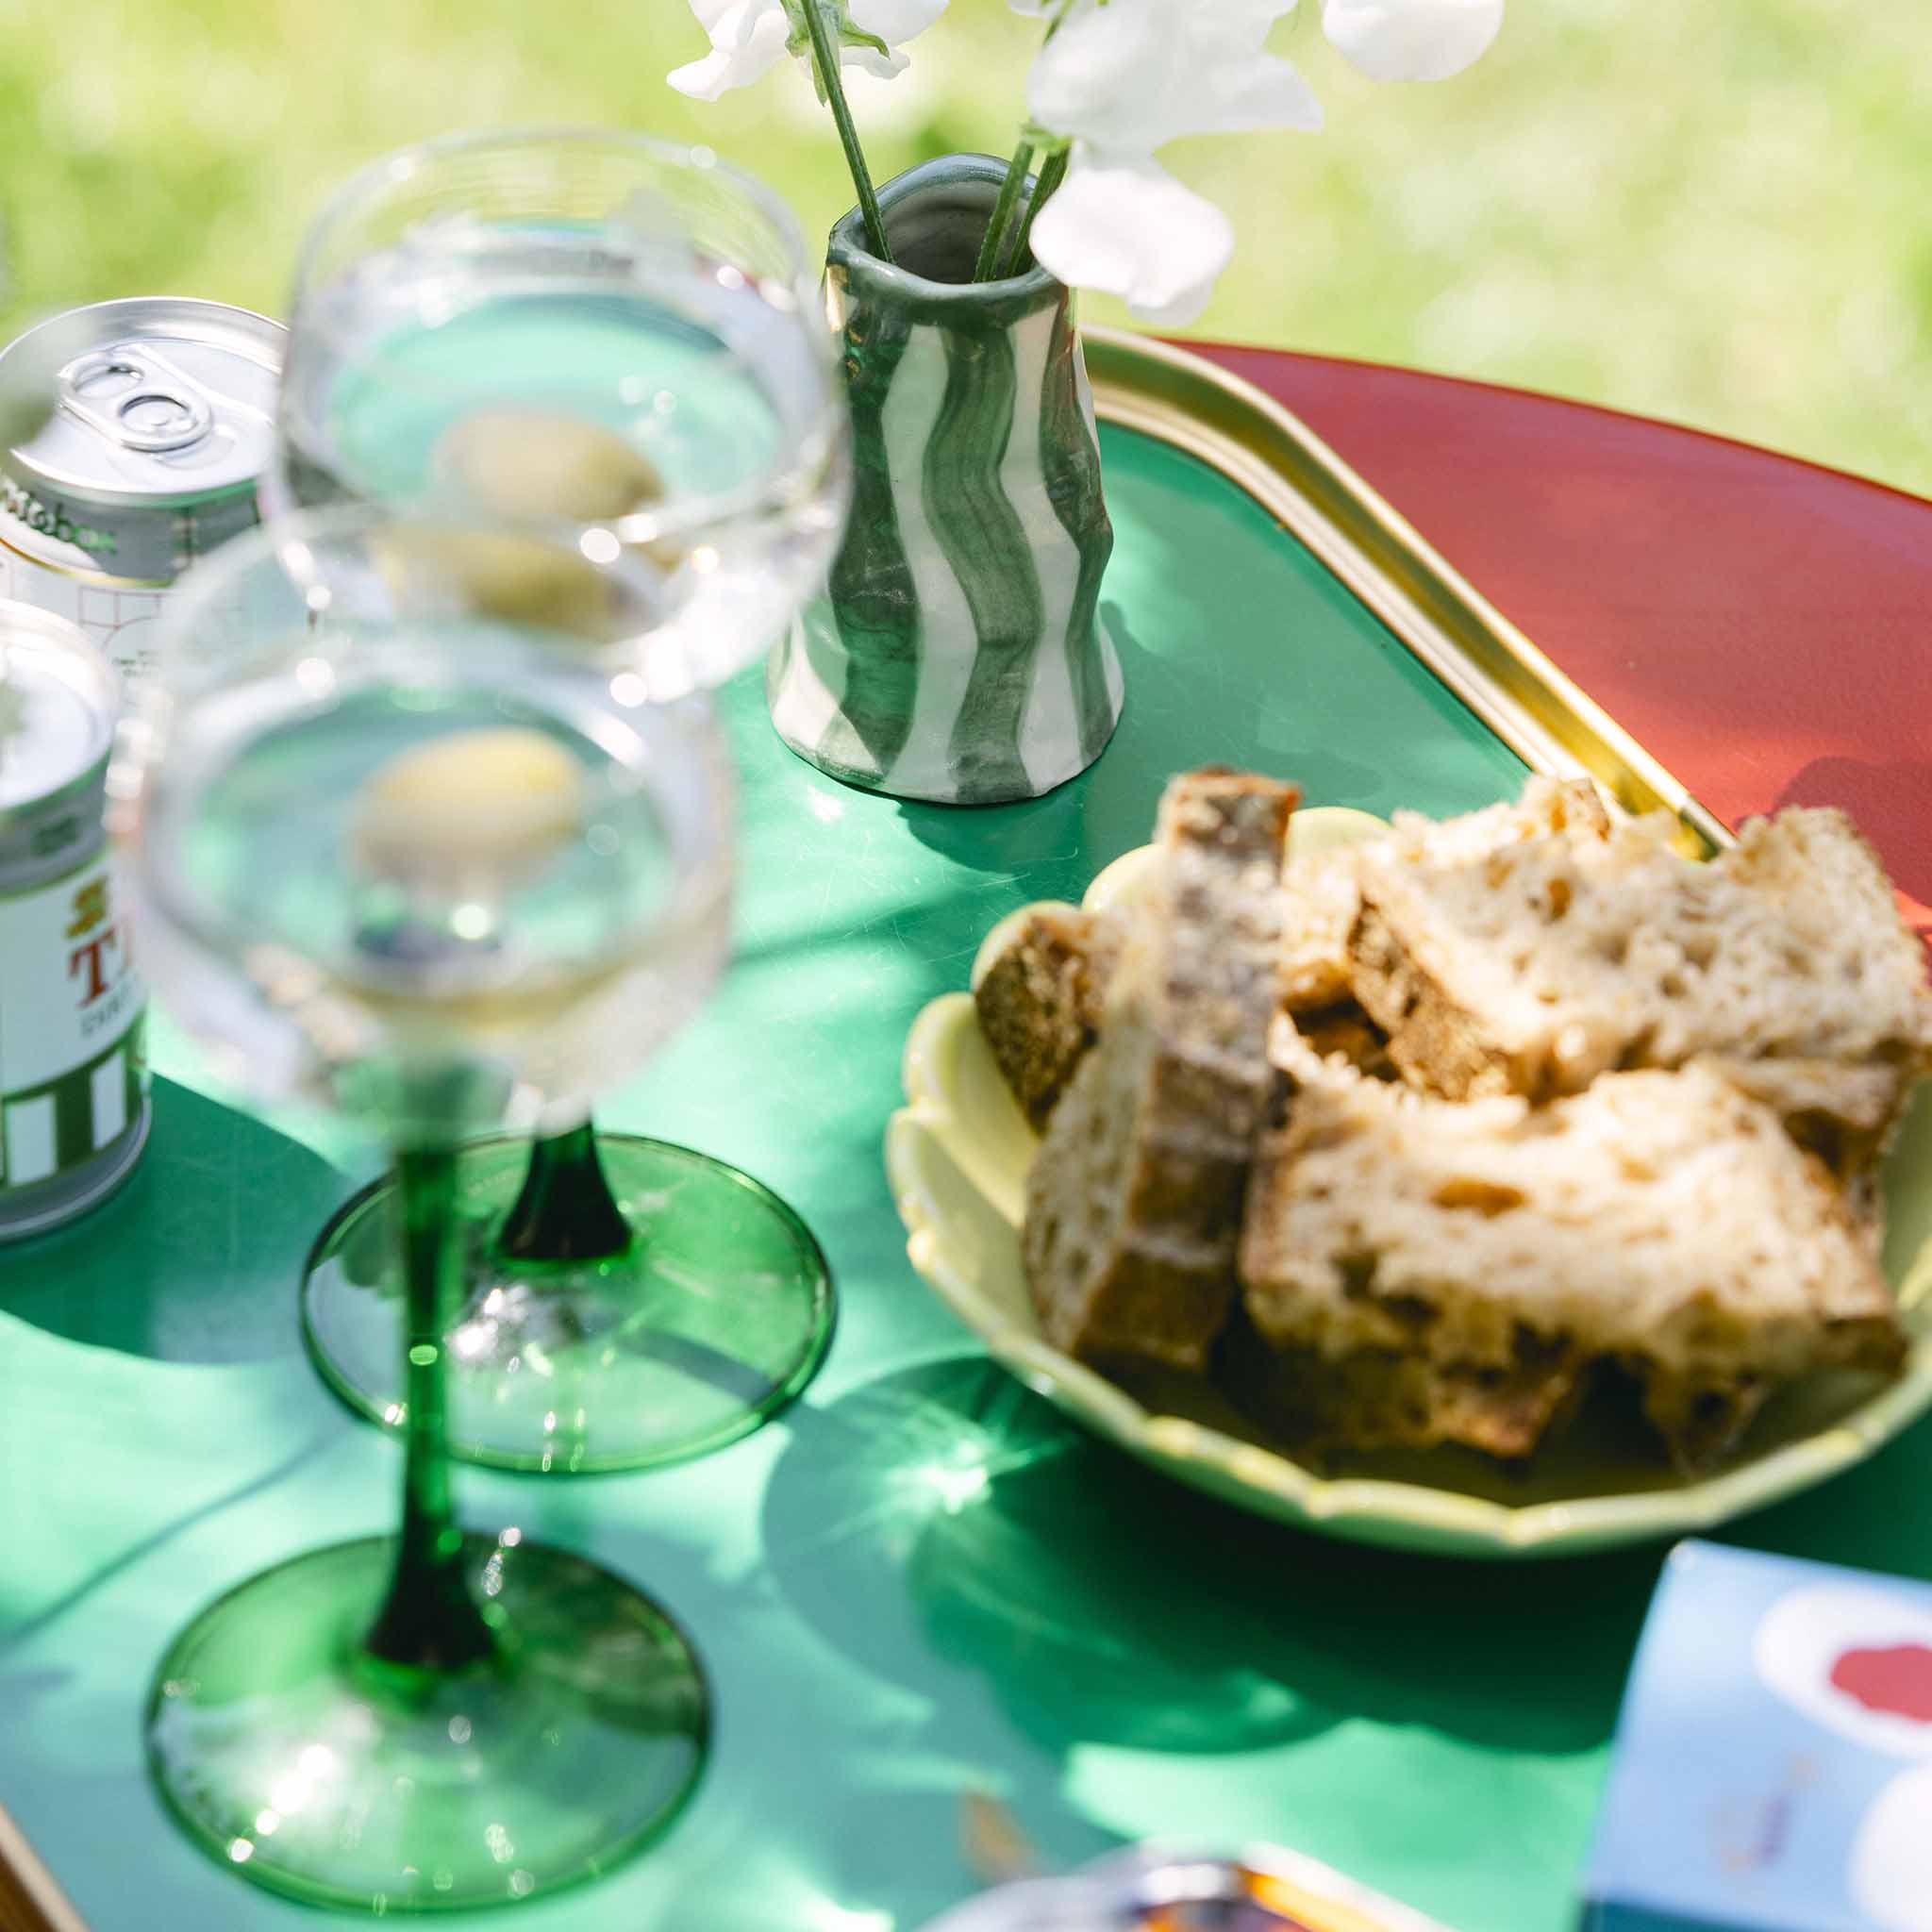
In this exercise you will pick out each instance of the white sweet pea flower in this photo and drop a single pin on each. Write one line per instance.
(1411, 39)
(1120, 78)
(1127, 227)
(749, 38)
(1130, 75)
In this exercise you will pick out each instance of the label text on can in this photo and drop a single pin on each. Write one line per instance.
(72, 1075)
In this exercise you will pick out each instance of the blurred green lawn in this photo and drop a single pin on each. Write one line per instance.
(1716, 210)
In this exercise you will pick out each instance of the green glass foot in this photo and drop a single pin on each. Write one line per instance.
(301, 1765)
(716, 1318)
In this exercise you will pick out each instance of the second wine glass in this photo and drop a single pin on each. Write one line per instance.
(602, 335)
(434, 872)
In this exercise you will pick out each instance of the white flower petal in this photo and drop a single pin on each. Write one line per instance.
(1258, 93)
(1129, 75)
(1097, 76)
(895, 22)
(1123, 224)
(1247, 20)
(1412, 39)
(870, 60)
(747, 40)
(750, 37)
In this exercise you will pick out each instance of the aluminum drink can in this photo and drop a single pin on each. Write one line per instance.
(159, 423)
(74, 1083)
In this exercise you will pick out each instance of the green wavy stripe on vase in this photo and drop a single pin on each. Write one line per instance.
(984, 544)
(1070, 460)
(958, 658)
(872, 585)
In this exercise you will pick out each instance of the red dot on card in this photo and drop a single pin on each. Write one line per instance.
(1897, 1681)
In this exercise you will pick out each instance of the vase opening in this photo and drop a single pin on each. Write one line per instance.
(936, 232)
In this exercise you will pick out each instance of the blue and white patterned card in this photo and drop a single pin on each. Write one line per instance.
(1773, 1769)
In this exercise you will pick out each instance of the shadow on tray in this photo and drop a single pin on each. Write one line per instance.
(196, 1258)
(972, 1519)
(1167, 727)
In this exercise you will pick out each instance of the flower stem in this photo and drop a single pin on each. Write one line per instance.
(429, 1621)
(826, 55)
(993, 247)
(1050, 174)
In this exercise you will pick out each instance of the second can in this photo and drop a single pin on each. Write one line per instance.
(155, 421)
(74, 1086)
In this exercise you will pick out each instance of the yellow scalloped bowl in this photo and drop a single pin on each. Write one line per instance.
(957, 1154)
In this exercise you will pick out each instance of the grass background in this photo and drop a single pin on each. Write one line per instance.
(1714, 210)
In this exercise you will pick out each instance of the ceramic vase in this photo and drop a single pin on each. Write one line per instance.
(959, 655)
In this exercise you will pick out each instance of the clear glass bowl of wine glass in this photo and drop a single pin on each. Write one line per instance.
(398, 856)
(598, 333)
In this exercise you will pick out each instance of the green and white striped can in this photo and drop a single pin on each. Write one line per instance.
(74, 1083)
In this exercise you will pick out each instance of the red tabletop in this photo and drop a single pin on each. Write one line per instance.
(1762, 625)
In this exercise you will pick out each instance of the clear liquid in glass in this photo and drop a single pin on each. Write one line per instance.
(705, 379)
(456, 989)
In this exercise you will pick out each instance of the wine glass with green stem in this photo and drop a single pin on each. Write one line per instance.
(595, 331)
(429, 867)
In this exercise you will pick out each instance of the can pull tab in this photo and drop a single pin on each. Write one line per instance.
(136, 397)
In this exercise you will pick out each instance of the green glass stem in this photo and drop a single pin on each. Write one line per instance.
(993, 246)
(429, 1621)
(566, 1211)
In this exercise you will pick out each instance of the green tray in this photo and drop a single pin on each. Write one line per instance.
(922, 1583)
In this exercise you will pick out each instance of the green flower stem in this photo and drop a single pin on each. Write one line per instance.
(826, 55)
(992, 248)
(1051, 175)
(429, 1621)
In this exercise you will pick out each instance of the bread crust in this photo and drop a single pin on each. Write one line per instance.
(1325, 889)
(1040, 1002)
(1134, 1201)
(1535, 969)
(1434, 1271)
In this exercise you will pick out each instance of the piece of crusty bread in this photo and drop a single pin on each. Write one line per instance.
(1040, 997)
(1040, 1001)
(1325, 892)
(1534, 967)
(1134, 1200)
(1842, 1111)
(1042, 994)
(1435, 1271)
(1321, 904)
